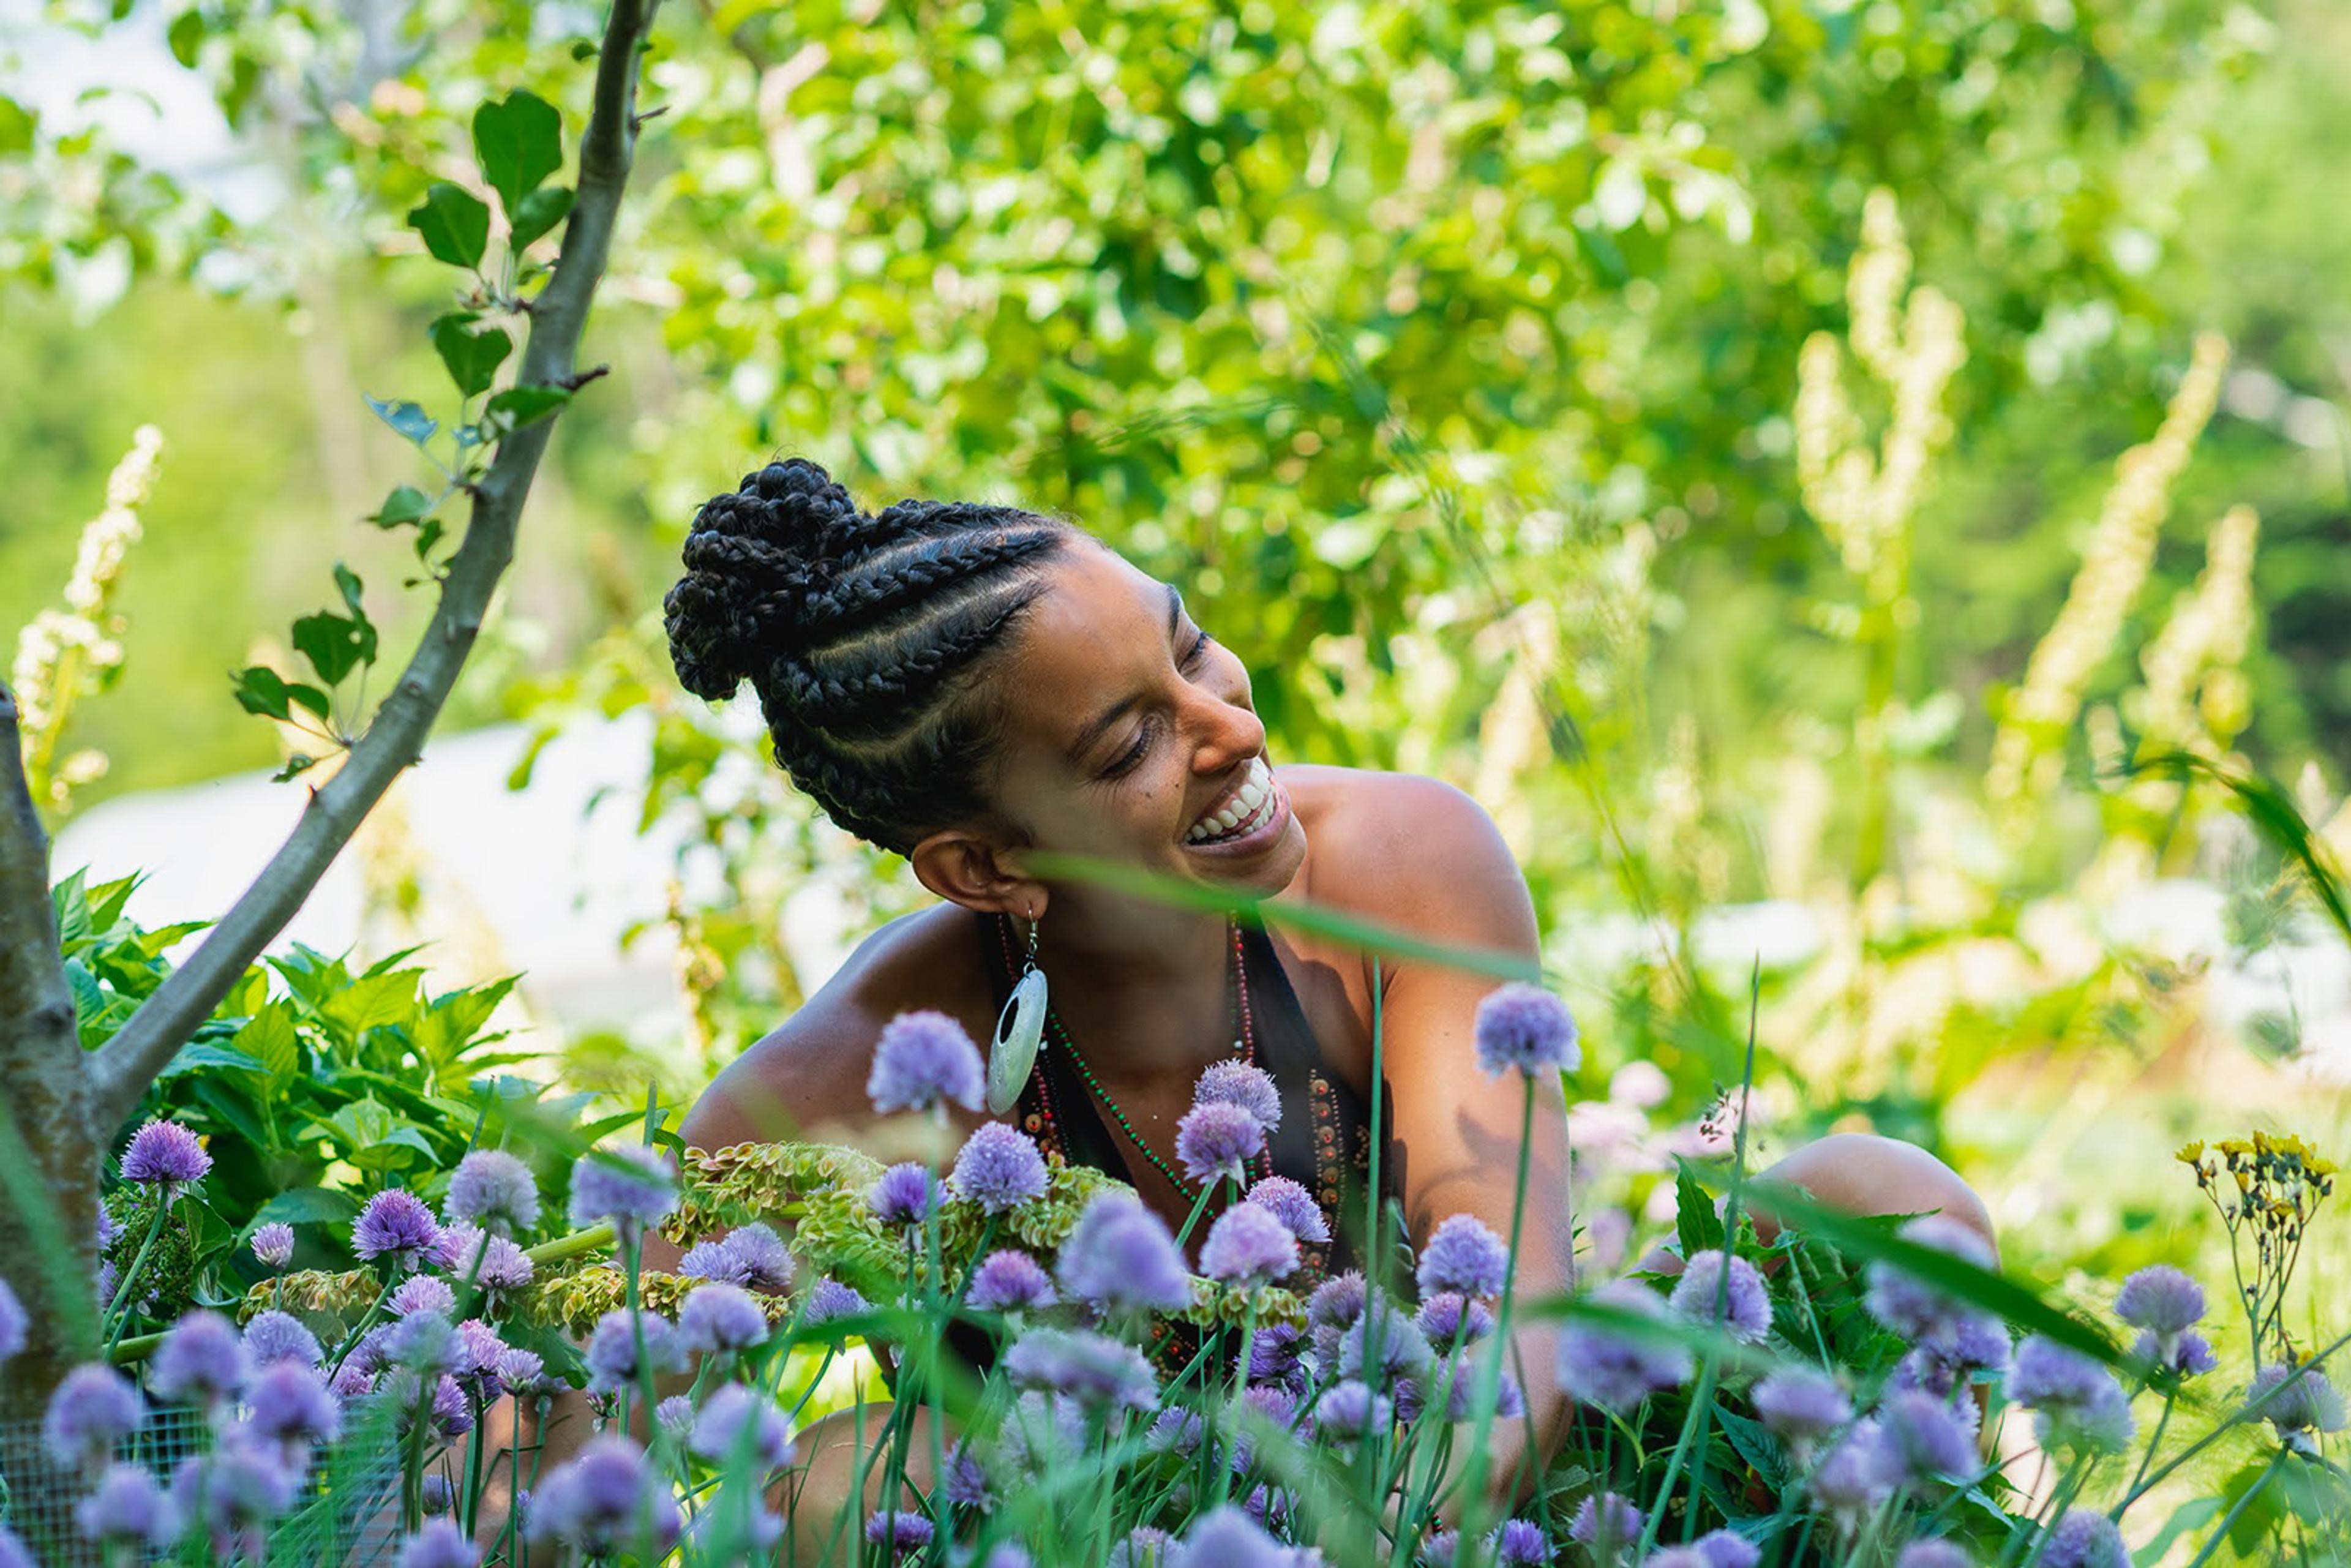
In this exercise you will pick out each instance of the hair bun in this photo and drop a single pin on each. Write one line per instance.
(753, 558)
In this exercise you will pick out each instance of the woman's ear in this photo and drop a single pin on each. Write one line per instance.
(964, 868)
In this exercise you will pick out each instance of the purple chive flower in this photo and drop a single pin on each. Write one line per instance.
(13, 1323)
(202, 1361)
(2162, 1301)
(1909, 1305)
(272, 1245)
(2303, 1402)
(289, 1406)
(674, 1415)
(421, 1293)
(479, 1350)
(440, 1545)
(1525, 1029)
(1009, 1281)
(906, 1194)
(523, 1372)
(1093, 1370)
(1230, 1537)
(165, 1154)
(923, 1059)
(829, 1299)
(423, 1341)
(626, 1186)
(2085, 1538)
(603, 1499)
(1933, 1555)
(493, 1190)
(395, 1225)
(92, 1408)
(1384, 1332)
(611, 1354)
(1121, 1254)
(735, 1419)
(1336, 1303)
(435, 1493)
(2078, 1402)
(966, 1484)
(235, 1488)
(1449, 1316)
(1273, 1357)
(1230, 1082)
(1676, 1557)
(1925, 1445)
(1852, 1480)
(1145, 1547)
(1520, 1544)
(1351, 1409)
(1174, 1430)
(2189, 1356)
(1800, 1407)
(1249, 1246)
(1439, 1548)
(1726, 1549)
(1465, 1256)
(1290, 1203)
(128, 1509)
(1607, 1367)
(1605, 1521)
(1744, 1304)
(1000, 1168)
(497, 1266)
(902, 1531)
(752, 1256)
(1218, 1139)
(1008, 1554)
(721, 1318)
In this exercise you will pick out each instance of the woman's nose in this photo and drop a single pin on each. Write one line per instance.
(1231, 734)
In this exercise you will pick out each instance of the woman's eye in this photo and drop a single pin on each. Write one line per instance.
(1199, 646)
(1133, 754)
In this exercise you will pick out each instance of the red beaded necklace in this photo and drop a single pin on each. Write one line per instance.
(1058, 1033)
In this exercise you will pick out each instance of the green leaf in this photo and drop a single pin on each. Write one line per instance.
(187, 31)
(539, 212)
(269, 1038)
(1699, 1227)
(472, 356)
(310, 697)
(372, 1001)
(301, 762)
(1757, 1446)
(516, 407)
(18, 126)
(308, 1205)
(192, 1057)
(347, 582)
(411, 422)
(261, 690)
(2257, 1506)
(406, 504)
(334, 645)
(518, 141)
(455, 224)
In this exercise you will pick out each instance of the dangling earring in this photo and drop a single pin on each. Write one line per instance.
(1020, 1031)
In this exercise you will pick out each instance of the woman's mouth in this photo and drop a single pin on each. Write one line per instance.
(1253, 810)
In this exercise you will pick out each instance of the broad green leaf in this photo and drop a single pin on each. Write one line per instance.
(17, 127)
(269, 1038)
(299, 763)
(411, 422)
(372, 1001)
(308, 1205)
(309, 697)
(406, 504)
(516, 407)
(334, 645)
(186, 32)
(539, 212)
(192, 1057)
(518, 141)
(472, 355)
(455, 224)
(1696, 1224)
(261, 690)
(347, 582)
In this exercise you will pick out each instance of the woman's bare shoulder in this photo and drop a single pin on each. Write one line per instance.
(1399, 846)
(806, 1078)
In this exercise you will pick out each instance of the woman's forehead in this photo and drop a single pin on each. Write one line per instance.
(1098, 631)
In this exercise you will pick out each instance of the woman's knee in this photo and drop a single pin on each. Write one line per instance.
(1864, 1173)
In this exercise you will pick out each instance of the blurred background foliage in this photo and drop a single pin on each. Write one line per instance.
(1453, 356)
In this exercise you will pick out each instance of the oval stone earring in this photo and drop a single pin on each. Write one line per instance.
(1020, 1031)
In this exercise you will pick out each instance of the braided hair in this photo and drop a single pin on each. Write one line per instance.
(861, 635)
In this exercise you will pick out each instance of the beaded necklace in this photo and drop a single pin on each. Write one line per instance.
(1245, 1047)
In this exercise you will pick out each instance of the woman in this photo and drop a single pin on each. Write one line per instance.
(969, 685)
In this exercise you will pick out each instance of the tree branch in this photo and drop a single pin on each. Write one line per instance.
(129, 1063)
(36, 1004)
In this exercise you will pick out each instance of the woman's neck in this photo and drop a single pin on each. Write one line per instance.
(1139, 984)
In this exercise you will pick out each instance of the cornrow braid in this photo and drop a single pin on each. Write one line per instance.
(863, 637)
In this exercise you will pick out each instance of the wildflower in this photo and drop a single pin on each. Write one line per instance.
(289, 1406)
(966, 1484)
(167, 1155)
(627, 1186)
(1933, 1555)
(12, 1550)
(493, 1190)
(1121, 1255)
(1439, 1548)
(1800, 1407)
(752, 1256)
(1459, 1380)
(128, 1509)
(423, 1341)
(1922, 1443)
(906, 1194)
(721, 1318)
(1290, 1203)
(674, 1415)
(1465, 1256)
(435, 1493)
(1228, 1538)
(395, 1225)
(440, 1545)
(1230, 1082)
(923, 1059)
(611, 1354)
(1218, 1139)
(2160, 1299)
(1335, 1304)
(1042, 1432)
(736, 1418)
(1739, 1304)
(1604, 1521)
(1852, 1480)
(1008, 1554)
(1451, 1317)
(89, 1410)
(2078, 1401)
(523, 1371)
(352, 1380)
(604, 1499)
(234, 1490)
(1273, 1356)
(1093, 1370)
(202, 1361)
(1145, 1547)
(1909, 1305)
(1247, 1247)
(1009, 1281)
(1676, 1557)
(902, 1531)
(1525, 1029)
(497, 1266)
(1382, 1331)
(1351, 1409)
(829, 1299)
(479, 1351)
(2189, 1356)
(421, 1293)
(272, 1245)
(1605, 1366)
(2303, 1402)
(2084, 1538)
(1726, 1549)
(1520, 1544)
(1174, 1430)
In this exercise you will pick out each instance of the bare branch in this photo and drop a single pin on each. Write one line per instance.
(129, 1063)
(36, 1005)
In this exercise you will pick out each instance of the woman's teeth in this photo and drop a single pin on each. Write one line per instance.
(1250, 809)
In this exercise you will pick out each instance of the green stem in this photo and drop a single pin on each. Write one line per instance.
(2220, 1532)
(1490, 1377)
(130, 1277)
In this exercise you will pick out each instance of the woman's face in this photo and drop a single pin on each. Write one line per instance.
(1129, 734)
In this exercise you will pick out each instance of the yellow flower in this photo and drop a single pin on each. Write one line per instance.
(2190, 1154)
